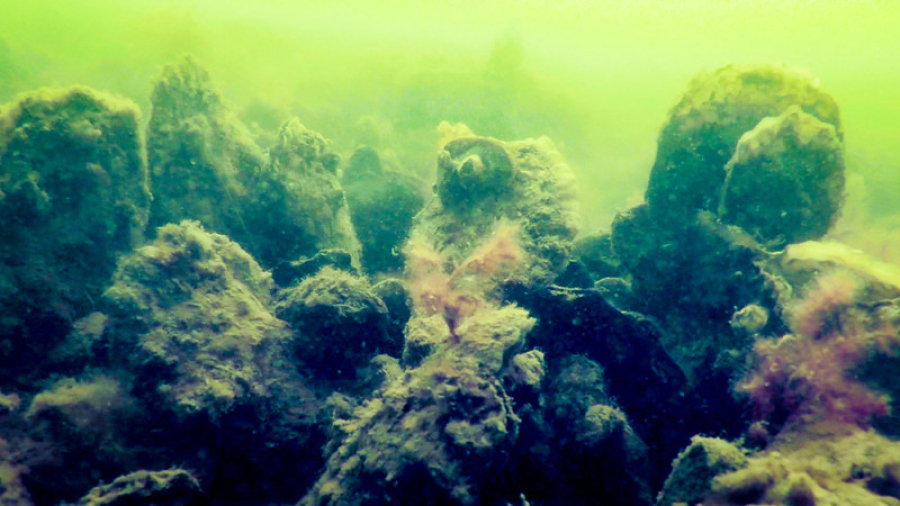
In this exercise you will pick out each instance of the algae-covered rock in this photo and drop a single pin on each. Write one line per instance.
(394, 295)
(595, 444)
(842, 308)
(190, 317)
(205, 166)
(440, 433)
(286, 274)
(73, 196)
(12, 490)
(340, 323)
(527, 370)
(703, 130)
(382, 205)
(90, 404)
(172, 487)
(695, 468)
(190, 322)
(693, 280)
(785, 181)
(597, 254)
(86, 419)
(824, 465)
(295, 206)
(474, 171)
(482, 180)
(626, 345)
(199, 153)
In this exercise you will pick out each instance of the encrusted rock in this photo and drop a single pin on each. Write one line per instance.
(704, 127)
(440, 433)
(482, 180)
(382, 205)
(340, 323)
(73, 196)
(190, 316)
(173, 487)
(696, 466)
(785, 181)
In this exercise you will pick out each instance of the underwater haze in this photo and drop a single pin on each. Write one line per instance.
(596, 76)
(503, 253)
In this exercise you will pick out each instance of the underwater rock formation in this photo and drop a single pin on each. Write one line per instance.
(73, 196)
(594, 442)
(339, 322)
(749, 160)
(482, 180)
(597, 254)
(382, 205)
(199, 154)
(190, 316)
(785, 181)
(512, 365)
(440, 433)
(695, 468)
(173, 487)
(621, 346)
(823, 465)
(841, 355)
(813, 392)
(693, 280)
(191, 324)
(205, 166)
(85, 419)
(703, 130)
(295, 206)
(12, 490)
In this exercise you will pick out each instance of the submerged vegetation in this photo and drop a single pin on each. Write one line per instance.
(264, 302)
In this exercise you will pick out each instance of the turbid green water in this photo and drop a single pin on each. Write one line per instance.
(430, 319)
(596, 76)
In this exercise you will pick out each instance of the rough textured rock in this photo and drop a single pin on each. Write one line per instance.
(703, 129)
(621, 346)
(286, 274)
(73, 196)
(12, 490)
(841, 356)
(85, 419)
(823, 465)
(597, 448)
(295, 205)
(440, 433)
(190, 317)
(393, 293)
(199, 153)
(190, 323)
(695, 468)
(382, 205)
(205, 166)
(596, 253)
(693, 280)
(173, 487)
(339, 321)
(482, 180)
(785, 181)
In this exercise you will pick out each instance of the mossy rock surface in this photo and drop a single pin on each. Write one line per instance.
(703, 129)
(74, 195)
(482, 181)
(339, 322)
(695, 468)
(280, 206)
(190, 315)
(785, 182)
